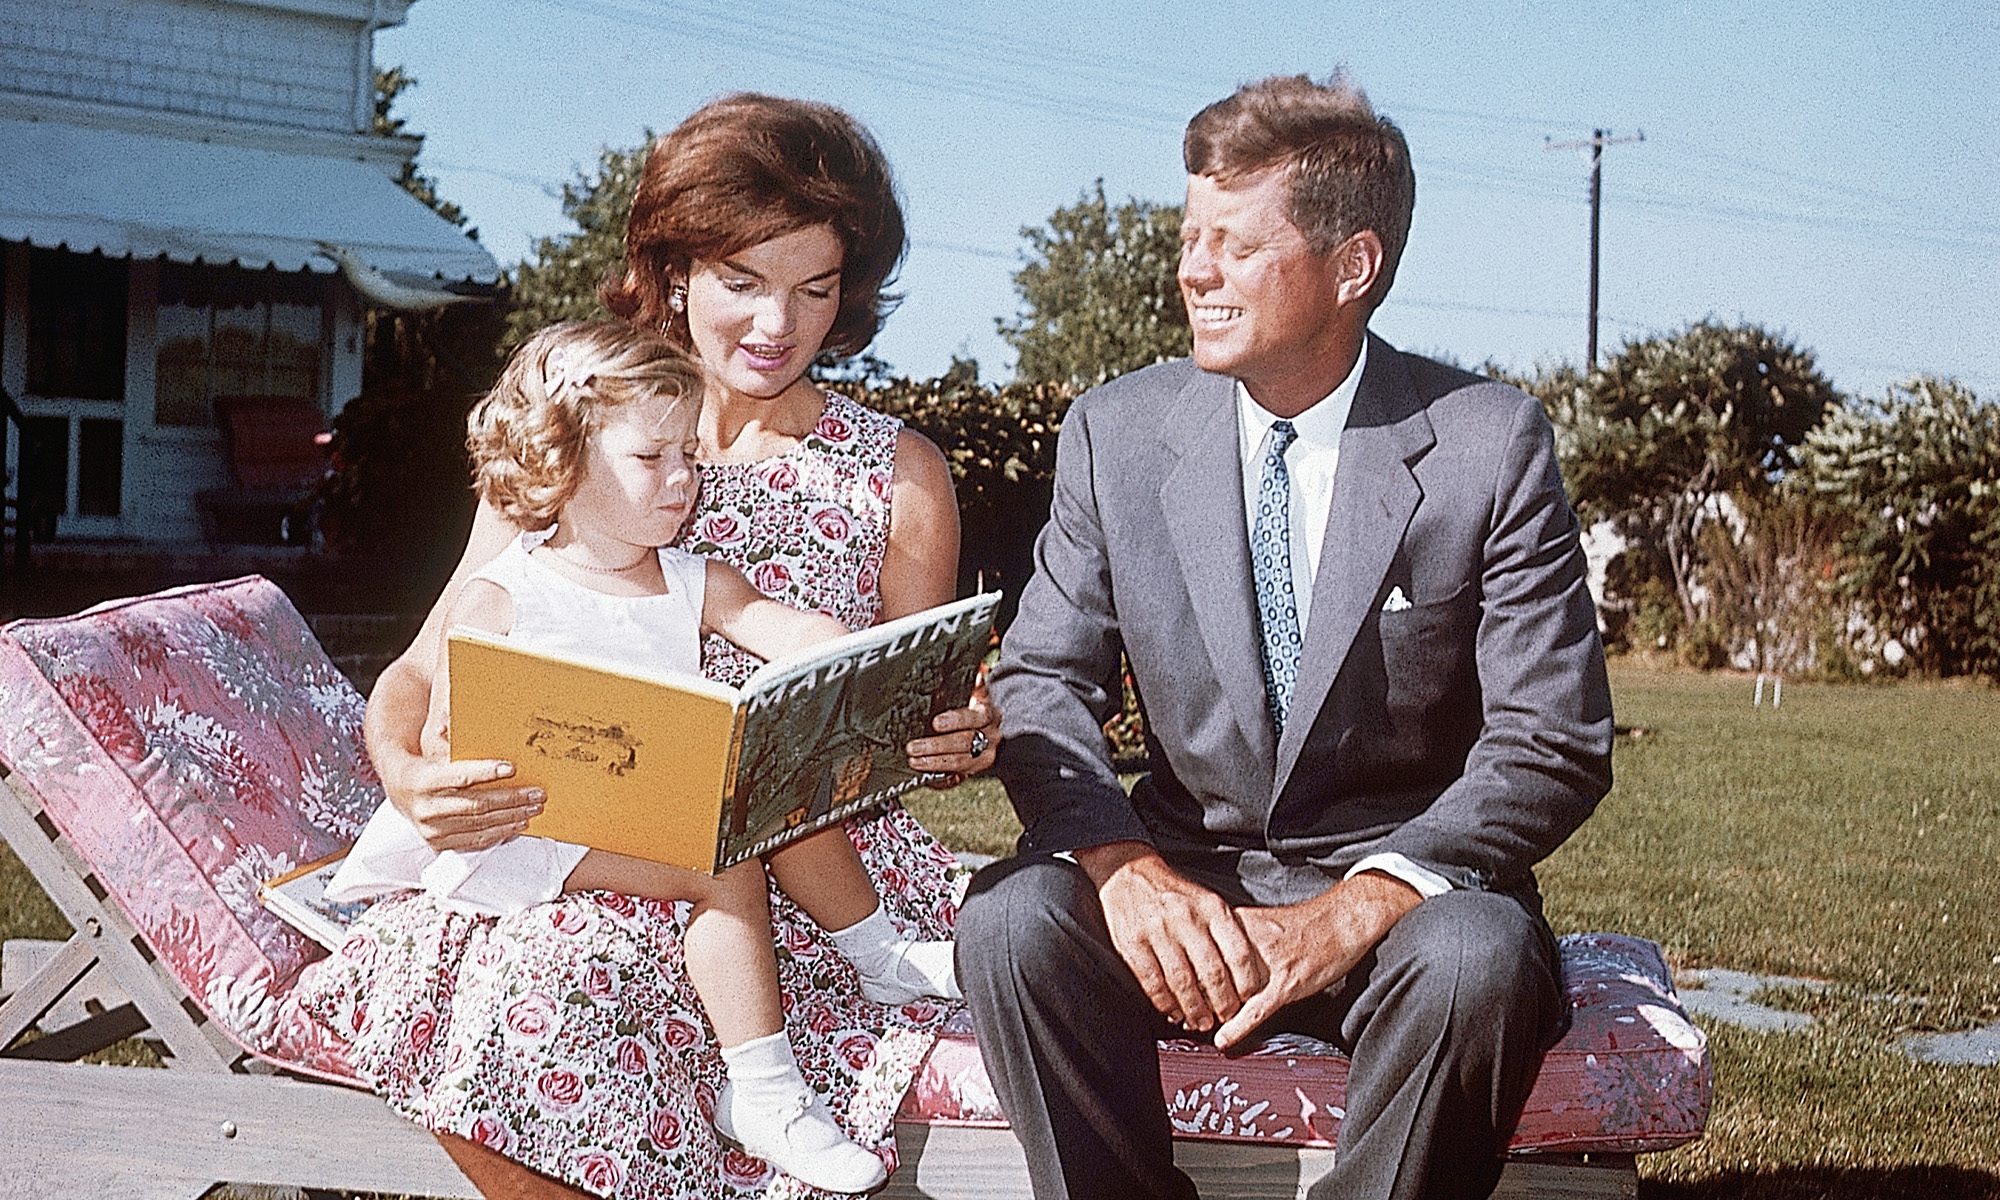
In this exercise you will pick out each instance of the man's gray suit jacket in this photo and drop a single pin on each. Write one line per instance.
(1451, 704)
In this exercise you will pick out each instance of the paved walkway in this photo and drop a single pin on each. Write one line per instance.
(1724, 995)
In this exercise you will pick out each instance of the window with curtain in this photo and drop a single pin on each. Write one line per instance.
(230, 332)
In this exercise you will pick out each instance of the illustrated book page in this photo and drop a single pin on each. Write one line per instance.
(299, 897)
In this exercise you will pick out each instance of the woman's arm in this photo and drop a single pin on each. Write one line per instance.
(919, 570)
(443, 799)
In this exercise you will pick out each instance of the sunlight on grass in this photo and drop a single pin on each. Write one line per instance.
(973, 816)
(1850, 836)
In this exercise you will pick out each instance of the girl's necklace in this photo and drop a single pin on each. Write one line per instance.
(568, 561)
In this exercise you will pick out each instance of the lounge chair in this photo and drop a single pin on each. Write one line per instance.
(163, 754)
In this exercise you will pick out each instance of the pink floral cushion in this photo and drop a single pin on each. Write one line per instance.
(193, 743)
(190, 745)
(1631, 1075)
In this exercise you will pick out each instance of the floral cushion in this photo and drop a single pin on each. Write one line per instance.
(1631, 1075)
(193, 743)
(190, 745)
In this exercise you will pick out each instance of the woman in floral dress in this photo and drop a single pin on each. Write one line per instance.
(563, 1051)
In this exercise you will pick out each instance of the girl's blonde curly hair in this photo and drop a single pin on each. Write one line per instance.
(527, 435)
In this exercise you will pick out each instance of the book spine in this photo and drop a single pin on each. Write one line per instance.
(736, 801)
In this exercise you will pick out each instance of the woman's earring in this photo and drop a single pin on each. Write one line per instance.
(678, 299)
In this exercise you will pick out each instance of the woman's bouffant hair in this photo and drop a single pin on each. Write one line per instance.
(1350, 167)
(743, 170)
(527, 436)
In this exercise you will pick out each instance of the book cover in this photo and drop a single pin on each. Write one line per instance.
(299, 898)
(680, 770)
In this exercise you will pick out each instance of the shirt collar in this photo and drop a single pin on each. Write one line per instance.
(1321, 424)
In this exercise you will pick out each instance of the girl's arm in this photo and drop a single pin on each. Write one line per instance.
(441, 798)
(733, 608)
(919, 570)
(480, 604)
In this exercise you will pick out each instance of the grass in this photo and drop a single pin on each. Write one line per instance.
(1850, 836)
(975, 816)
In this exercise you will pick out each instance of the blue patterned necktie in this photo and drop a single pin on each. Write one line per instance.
(1271, 570)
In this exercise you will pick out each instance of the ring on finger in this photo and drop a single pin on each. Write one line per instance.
(979, 743)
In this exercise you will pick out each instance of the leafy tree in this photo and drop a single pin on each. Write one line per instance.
(400, 479)
(1098, 295)
(1680, 431)
(1916, 477)
(390, 84)
(559, 281)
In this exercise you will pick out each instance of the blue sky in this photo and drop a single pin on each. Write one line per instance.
(1830, 171)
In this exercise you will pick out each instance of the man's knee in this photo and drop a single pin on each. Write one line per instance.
(1474, 952)
(1027, 912)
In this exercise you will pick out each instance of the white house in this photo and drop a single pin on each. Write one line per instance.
(169, 170)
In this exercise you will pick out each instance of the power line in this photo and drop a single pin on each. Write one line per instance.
(818, 38)
(1507, 310)
(962, 248)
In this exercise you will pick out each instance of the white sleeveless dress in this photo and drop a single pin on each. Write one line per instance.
(551, 612)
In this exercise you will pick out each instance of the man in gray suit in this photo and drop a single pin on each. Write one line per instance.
(1351, 594)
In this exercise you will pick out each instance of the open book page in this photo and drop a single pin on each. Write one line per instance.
(824, 730)
(299, 897)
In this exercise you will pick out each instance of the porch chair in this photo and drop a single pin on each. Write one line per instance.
(163, 754)
(276, 448)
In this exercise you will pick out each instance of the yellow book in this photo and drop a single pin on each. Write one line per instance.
(679, 770)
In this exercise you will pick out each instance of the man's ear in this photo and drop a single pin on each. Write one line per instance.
(1357, 266)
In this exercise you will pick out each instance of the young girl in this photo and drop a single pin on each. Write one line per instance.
(593, 424)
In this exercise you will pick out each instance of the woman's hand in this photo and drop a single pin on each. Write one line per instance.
(453, 808)
(445, 800)
(966, 742)
(920, 570)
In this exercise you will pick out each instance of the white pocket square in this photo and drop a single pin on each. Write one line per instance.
(1396, 602)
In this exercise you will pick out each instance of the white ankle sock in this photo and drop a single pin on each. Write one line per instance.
(761, 1067)
(896, 968)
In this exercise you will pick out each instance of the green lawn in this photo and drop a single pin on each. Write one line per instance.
(1851, 836)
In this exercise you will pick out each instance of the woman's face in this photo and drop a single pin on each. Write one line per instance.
(759, 317)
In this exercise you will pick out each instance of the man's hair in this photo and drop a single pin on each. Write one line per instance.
(743, 170)
(528, 435)
(1349, 167)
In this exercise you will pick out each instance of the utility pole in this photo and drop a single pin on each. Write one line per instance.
(1598, 140)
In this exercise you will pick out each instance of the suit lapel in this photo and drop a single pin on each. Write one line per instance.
(1374, 496)
(1202, 499)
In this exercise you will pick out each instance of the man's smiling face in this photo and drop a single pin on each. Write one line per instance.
(1262, 305)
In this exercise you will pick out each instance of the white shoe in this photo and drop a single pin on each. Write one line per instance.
(801, 1139)
(916, 970)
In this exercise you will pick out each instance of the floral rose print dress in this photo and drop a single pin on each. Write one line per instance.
(568, 1037)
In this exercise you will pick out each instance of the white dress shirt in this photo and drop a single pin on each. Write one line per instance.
(1311, 462)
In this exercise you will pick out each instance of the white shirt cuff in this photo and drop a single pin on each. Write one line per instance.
(1427, 882)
